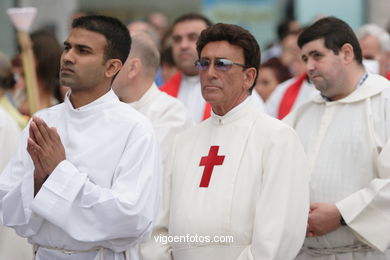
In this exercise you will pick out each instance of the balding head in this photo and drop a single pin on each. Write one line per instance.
(144, 48)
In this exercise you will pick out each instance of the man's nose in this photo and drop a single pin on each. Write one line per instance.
(211, 71)
(185, 43)
(310, 65)
(68, 56)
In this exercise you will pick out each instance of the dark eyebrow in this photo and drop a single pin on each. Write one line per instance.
(82, 46)
(314, 52)
(78, 46)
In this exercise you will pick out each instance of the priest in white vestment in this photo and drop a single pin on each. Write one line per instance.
(345, 133)
(135, 85)
(238, 183)
(84, 183)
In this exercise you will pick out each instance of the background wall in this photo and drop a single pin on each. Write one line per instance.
(258, 16)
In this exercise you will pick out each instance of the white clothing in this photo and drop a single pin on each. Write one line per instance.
(306, 93)
(106, 192)
(9, 137)
(167, 115)
(190, 95)
(348, 145)
(258, 101)
(258, 194)
(12, 246)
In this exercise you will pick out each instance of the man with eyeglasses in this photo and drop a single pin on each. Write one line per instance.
(239, 174)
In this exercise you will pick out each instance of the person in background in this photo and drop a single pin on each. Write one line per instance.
(375, 44)
(292, 93)
(47, 54)
(134, 85)
(185, 84)
(271, 74)
(7, 84)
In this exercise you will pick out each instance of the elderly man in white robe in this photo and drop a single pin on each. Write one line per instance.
(345, 133)
(84, 183)
(240, 174)
(135, 85)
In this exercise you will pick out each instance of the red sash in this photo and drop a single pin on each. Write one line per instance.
(290, 95)
(172, 86)
(388, 75)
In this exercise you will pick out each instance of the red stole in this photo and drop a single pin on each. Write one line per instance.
(290, 95)
(388, 75)
(172, 86)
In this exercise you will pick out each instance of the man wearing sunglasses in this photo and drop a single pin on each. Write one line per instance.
(240, 173)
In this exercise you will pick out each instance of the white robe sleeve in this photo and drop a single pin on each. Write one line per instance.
(154, 249)
(17, 191)
(9, 138)
(283, 206)
(367, 211)
(122, 214)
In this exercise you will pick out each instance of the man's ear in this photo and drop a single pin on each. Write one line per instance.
(134, 67)
(249, 77)
(113, 66)
(347, 53)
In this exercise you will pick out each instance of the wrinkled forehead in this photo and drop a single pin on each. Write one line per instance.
(223, 50)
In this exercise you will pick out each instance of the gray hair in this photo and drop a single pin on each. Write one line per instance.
(376, 31)
(145, 48)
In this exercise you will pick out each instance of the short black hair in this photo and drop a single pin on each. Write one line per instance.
(335, 33)
(235, 35)
(116, 33)
(191, 17)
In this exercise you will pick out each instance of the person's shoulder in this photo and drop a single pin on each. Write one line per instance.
(49, 112)
(167, 103)
(121, 112)
(265, 122)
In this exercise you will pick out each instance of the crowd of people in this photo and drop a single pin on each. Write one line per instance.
(147, 130)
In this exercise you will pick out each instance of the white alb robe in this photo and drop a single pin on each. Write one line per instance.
(306, 93)
(167, 115)
(104, 195)
(258, 101)
(348, 146)
(258, 195)
(9, 137)
(11, 245)
(190, 95)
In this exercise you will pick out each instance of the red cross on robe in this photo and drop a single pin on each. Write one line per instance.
(209, 161)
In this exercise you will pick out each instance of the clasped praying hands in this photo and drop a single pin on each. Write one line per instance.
(46, 150)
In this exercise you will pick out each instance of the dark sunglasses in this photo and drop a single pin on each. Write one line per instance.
(219, 64)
